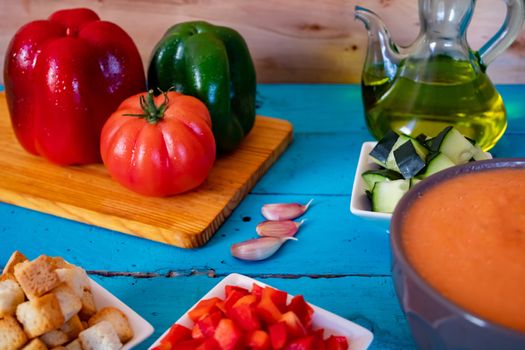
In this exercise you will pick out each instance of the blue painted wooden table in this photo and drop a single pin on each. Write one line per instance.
(340, 262)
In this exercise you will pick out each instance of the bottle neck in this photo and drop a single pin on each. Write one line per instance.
(446, 19)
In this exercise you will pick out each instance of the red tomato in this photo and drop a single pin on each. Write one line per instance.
(159, 146)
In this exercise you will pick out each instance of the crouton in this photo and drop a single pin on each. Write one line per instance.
(15, 258)
(36, 277)
(70, 303)
(7, 276)
(40, 315)
(35, 344)
(58, 262)
(73, 327)
(54, 338)
(101, 336)
(12, 337)
(88, 305)
(118, 320)
(10, 296)
(74, 345)
(76, 278)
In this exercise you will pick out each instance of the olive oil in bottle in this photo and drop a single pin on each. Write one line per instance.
(446, 92)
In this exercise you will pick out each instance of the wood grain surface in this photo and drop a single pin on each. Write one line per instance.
(290, 40)
(88, 194)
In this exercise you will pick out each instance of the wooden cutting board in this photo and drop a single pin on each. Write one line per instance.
(88, 194)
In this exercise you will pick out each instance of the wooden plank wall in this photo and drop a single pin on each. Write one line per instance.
(290, 40)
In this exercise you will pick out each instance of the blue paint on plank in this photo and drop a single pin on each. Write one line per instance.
(314, 108)
(370, 302)
(331, 241)
(315, 164)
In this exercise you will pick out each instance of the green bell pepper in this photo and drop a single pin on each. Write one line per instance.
(213, 64)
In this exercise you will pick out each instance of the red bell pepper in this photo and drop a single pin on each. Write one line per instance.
(63, 78)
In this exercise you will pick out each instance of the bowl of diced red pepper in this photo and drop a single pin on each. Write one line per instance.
(243, 313)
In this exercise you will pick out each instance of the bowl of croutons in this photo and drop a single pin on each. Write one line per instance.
(48, 303)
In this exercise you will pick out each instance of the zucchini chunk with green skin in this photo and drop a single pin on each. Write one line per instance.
(408, 160)
(414, 181)
(436, 162)
(370, 177)
(480, 155)
(422, 139)
(387, 194)
(383, 148)
(421, 150)
(455, 146)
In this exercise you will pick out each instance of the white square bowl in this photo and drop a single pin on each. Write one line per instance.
(359, 338)
(142, 329)
(360, 204)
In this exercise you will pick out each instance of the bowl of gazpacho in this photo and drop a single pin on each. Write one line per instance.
(458, 247)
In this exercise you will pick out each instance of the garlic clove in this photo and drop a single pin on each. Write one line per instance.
(258, 248)
(284, 211)
(285, 228)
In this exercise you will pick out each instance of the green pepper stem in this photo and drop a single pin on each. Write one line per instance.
(152, 113)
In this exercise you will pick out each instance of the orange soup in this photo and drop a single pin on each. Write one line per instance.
(466, 238)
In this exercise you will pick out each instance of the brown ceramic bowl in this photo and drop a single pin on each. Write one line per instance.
(435, 322)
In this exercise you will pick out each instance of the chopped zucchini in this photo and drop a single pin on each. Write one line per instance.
(455, 146)
(392, 163)
(480, 155)
(422, 139)
(383, 148)
(370, 177)
(436, 162)
(387, 194)
(414, 181)
(408, 160)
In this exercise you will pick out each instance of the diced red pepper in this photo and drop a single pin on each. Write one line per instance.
(305, 343)
(209, 344)
(258, 340)
(196, 332)
(191, 344)
(231, 299)
(247, 299)
(301, 308)
(208, 324)
(335, 342)
(203, 308)
(252, 321)
(268, 311)
(220, 305)
(229, 336)
(257, 291)
(293, 325)
(229, 289)
(278, 335)
(245, 317)
(277, 296)
(176, 334)
(318, 343)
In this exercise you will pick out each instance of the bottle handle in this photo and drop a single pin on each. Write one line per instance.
(506, 35)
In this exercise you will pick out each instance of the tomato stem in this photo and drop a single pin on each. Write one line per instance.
(152, 113)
